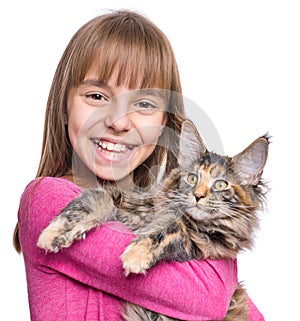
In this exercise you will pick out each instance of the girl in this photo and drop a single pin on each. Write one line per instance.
(104, 126)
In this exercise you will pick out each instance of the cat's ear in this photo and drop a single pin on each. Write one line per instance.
(249, 164)
(191, 144)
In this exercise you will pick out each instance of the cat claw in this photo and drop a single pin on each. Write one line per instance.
(50, 244)
(135, 259)
(131, 268)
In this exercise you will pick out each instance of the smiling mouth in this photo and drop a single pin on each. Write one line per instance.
(110, 147)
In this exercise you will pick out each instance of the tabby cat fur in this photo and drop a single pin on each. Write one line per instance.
(206, 208)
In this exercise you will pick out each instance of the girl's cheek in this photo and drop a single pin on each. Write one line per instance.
(151, 133)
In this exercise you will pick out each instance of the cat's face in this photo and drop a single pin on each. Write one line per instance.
(210, 190)
(214, 186)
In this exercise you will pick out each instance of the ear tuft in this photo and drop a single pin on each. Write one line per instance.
(191, 144)
(249, 164)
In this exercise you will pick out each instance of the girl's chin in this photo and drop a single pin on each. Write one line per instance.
(116, 170)
(115, 175)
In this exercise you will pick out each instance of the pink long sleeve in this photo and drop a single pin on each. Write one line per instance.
(86, 281)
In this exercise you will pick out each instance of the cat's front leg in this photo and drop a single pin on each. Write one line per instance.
(138, 256)
(90, 209)
(168, 244)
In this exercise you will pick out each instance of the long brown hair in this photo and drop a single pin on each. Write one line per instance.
(129, 45)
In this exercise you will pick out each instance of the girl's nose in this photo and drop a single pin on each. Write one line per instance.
(118, 118)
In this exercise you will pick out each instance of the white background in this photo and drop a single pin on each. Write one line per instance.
(239, 61)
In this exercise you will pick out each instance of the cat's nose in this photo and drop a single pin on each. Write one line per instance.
(198, 197)
(200, 193)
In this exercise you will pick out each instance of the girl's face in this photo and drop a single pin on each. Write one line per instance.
(112, 129)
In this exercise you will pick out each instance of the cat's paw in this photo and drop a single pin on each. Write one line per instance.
(50, 241)
(58, 235)
(53, 242)
(137, 258)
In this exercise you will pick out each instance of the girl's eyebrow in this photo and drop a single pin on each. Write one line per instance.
(159, 93)
(94, 82)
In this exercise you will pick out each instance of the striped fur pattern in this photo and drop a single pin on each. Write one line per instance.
(206, 208)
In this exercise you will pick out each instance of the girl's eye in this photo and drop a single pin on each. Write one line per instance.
(220, 185)
(96, 99)
(145, 105)
(96, 96)
(192, 179)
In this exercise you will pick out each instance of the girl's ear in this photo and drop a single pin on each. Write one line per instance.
(191, 146)
(249, 164)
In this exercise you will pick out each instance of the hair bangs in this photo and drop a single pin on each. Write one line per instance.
(133, 53)
(133, 67)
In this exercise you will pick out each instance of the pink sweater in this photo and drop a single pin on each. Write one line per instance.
(86, 281)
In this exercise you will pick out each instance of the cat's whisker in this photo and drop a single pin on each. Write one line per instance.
(242, 221)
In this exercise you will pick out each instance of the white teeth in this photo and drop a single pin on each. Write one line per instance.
(111, 147)
(120, 148)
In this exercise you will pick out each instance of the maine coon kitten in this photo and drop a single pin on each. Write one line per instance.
(206, 208)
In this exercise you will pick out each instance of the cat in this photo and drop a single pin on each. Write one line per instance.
(207, 207)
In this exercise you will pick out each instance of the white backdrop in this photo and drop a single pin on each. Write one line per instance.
(239, 61)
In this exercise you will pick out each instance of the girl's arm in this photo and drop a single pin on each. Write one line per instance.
(190, 290)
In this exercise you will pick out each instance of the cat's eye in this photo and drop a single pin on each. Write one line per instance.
(192, 179)
(220, 185)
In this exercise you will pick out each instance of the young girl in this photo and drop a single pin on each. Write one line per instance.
(104, 125)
